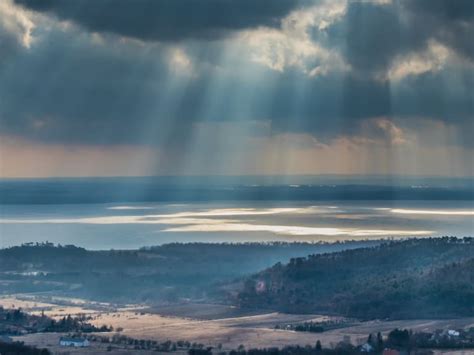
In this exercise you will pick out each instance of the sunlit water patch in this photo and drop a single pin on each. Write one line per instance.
(118, 226)
(433, 212)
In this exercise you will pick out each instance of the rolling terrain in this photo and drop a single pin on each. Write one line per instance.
(153, 275)
(419, 278)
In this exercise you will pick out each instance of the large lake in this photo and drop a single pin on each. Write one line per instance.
(133, 225)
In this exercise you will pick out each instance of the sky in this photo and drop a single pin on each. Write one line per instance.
(236, 87)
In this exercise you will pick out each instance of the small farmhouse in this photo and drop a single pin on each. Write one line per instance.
(74, 342)
(367, 348)
(453, 333)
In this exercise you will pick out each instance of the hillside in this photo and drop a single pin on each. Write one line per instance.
(405, 279)
(162, 273)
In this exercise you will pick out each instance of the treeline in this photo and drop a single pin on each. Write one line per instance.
(17, 348)
(76, 324)
(398, 340)
(317, 327)
(17, 322)
(342, 348)
(163, 273)
(399, 279)
(120, 341)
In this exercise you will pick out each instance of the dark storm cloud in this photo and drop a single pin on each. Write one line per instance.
(374, 35)
(67, 89)
(459, 10)
(167, 20)
(337, 105)
(9, 45)
(451, 22)
(371, 36)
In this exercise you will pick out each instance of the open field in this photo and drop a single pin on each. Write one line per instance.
(202, 311)
(248, 330)
(257, 331)
(59, 308)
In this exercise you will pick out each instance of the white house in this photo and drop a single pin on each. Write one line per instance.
(74, 342)
(453, 333)
(367, 348)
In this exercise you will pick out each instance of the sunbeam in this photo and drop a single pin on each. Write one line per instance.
(287, 177)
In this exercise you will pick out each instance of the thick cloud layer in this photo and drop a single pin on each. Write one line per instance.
(373, 36)
(404, 61)
(451, 22)
(167, 20)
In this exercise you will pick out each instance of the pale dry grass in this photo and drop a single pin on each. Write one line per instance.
(49, 309)
(251, 331)
(258, 331)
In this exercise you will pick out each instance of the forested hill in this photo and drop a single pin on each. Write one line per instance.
(163, 273)
(405, 279)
